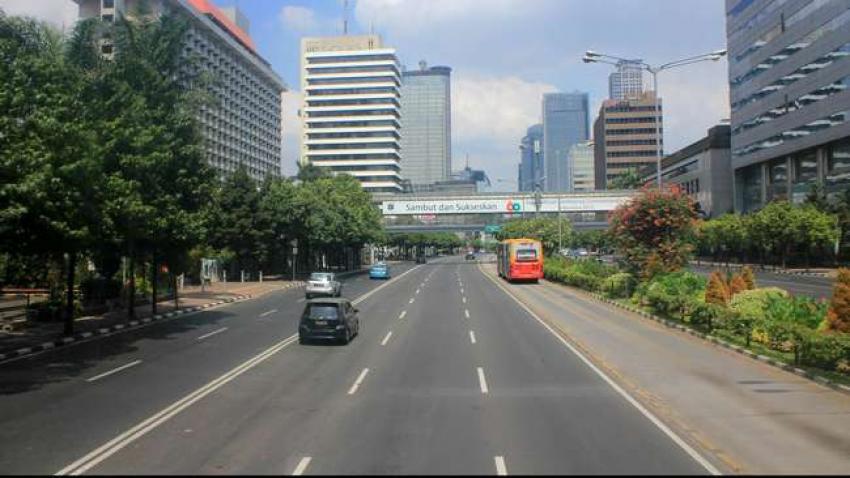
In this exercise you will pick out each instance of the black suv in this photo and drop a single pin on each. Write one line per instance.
(328, 319)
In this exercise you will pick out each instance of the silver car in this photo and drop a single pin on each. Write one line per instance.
(323, 284)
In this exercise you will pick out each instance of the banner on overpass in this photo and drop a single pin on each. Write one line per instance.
(499, 206)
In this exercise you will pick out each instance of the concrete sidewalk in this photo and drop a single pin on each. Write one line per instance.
(38, 336)
(747, 416)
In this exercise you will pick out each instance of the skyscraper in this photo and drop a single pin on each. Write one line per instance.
(789, 71)
(351, 112)
(627, 81)
(426, 135)
(565, 123)
(243, 125)
(531, 159)
(626, 137)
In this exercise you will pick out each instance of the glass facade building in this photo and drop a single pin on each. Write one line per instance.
(788, 78)
(426, 132)
(565, 123)
(627, 81)
(531, 159)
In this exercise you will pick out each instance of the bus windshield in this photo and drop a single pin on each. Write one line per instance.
(526, 255)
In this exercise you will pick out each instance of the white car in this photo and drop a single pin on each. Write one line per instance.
(323, 284)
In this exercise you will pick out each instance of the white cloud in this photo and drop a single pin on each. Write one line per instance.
(60, 13)
(291, 131)
(299, 19)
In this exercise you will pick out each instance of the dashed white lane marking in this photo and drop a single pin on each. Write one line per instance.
(212, 333)
(268, 313)
(466, 313)
(464, 300)
(472, 336)
(302, 466)
(461, 290)
(115, 370)
(501, 469)
(403, 313)
(482, 381)
(411, 300)
(417, 290)
(387, 338)
(357, 382)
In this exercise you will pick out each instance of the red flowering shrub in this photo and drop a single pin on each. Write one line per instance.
(655, 232)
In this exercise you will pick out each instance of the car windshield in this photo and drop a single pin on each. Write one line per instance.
(320, 277)
(322, 312)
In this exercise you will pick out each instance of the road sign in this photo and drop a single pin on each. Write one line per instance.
(492, 228)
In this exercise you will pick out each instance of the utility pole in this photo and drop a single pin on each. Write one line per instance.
(345, 17)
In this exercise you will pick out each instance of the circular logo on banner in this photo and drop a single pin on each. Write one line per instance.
(513, 206)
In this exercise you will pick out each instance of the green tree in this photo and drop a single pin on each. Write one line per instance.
(630, 179)
(544, 229)
(655, 231)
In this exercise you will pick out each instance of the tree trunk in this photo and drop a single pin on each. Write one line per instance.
(176, 292)
(69, 305)
(131, 302)
(153, 282)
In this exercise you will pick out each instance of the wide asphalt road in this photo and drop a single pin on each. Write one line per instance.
(450, 375)
(811, 286)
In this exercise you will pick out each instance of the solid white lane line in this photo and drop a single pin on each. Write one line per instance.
(411, 300)
(472, 336)
(212, 333)
(501, 469)
(482, 381)
(302, 466)
(268, 312)
(403, 313)
(115, 370)
(387, 338)
(466, 312)
(123, 440)
(357, 382)
(623, 393)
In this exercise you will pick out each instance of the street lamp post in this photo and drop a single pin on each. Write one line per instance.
(594, 57)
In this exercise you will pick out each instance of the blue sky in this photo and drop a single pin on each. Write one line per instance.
(504, 53)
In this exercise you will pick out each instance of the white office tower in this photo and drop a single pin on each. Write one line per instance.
(351, 110)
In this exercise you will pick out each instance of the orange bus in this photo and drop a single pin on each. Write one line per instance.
(520, 259)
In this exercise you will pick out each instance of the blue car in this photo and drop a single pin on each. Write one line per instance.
(379, 271)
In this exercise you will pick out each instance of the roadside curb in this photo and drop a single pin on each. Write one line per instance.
(127, 326)
(756, 268)
(819, 379)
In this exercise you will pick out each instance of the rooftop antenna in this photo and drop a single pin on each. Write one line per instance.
(345, 17)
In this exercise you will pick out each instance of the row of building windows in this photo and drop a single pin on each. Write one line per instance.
(637, 119)
(354, 68)
(681, 170)
(342, 81)
(357, 101)
(629, 109)
(351, 124)
(352, 145)
(372, 167)
(354, 91)
(753, 21)
(632, 131)
(627, 154)
(314, 60)
(821, 124)
(358, 134)
(815, 96)
(322, 114)
(790, 50)
(358, 156)
(630, 142)
(802, 72)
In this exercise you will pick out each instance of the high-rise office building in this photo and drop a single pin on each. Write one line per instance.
(565, 123)
(243, 126)
(351, 112)
(789, 73)
(626, 137)
(426, 135)
(531, 159)
(581, 162)
(627, 81)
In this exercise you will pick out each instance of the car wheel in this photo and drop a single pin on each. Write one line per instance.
(347, 338)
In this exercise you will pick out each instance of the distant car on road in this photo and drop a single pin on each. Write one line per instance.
(470, 256)
(323, 284)
(379, 271)
(328, 319)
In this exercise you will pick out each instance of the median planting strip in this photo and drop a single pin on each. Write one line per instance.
(81, 337)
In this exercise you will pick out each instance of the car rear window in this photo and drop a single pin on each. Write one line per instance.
(322, 311)
(320, 277)
(526, 255)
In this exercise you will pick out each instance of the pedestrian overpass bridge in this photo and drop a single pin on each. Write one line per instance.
(431, 212)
